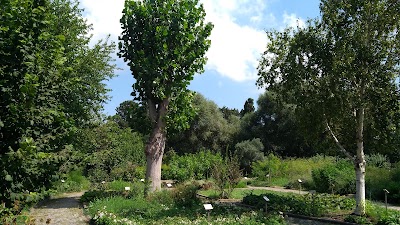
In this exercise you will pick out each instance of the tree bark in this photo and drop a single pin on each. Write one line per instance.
(156, 145)
(360, 164)
(154, 154)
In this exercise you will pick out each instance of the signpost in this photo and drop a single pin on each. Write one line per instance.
(300, 181)
(208, 208)
(266, 203)
(386, 193)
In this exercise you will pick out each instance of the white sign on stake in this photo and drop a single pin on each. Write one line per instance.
(208, 206)
(169, 185)
(142, 180)
(266, 199)
(127, 188)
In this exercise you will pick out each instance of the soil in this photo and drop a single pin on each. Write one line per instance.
(61, 210)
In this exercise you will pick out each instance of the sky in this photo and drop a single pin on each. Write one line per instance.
(237, 42)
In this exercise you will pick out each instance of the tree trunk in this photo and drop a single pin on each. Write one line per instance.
(156, 145)
(360, 164)
(154, 155)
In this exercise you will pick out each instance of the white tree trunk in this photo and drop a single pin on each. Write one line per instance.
(359, 164)
(360, 189)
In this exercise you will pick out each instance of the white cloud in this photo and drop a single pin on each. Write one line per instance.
(235, 48)
(292, 20)
(105, 16)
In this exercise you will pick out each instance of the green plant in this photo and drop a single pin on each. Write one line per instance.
(335, 178)
(357, 219)
(72, 181)
(309, 205)
(226, 176)
(186, 194)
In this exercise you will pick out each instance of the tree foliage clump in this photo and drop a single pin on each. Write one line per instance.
(208, 129)
(50, 85)
(112, 153)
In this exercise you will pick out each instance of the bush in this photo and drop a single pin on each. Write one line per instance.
(226, 176)
(73, 181)
(186, 194)
(308, 205)
(190, 166)
(336, 178)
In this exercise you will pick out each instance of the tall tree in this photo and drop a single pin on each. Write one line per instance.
(248, 107)
(50, 85)
(164, 43)
(208, 129)
(339, 72)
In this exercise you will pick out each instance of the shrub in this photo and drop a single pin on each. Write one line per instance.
(226, 176)
(308, 205)
(186, 194)
(73, 181)
(336, 178)
(377, 160)
(190, 166)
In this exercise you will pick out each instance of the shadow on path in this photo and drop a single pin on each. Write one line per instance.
(62, 210)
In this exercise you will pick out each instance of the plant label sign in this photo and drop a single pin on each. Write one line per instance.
(266, 198)
(208, 206)
(127, 188)
(169, 185)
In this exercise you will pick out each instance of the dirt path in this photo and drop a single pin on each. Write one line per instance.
(61, 210)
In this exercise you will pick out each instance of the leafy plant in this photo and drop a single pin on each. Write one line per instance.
(226, 176)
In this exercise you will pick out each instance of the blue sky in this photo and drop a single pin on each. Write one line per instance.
(237, 41)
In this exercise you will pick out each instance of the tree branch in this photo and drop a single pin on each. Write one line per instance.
(341, 148)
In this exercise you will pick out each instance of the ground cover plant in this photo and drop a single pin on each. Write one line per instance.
(178, 206)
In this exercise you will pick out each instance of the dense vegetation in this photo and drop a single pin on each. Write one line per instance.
(54, 138)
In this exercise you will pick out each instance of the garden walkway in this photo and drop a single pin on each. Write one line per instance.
(61, 210)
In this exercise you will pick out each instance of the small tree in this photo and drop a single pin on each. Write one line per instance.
(226, 176)
(164, 42)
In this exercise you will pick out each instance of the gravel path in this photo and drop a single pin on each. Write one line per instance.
(62, 210)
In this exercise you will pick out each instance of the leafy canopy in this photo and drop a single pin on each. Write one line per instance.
(164, 43)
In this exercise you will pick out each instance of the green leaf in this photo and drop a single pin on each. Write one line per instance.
(8, 178)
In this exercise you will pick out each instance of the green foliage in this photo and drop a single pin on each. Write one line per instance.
(357, 219)
(113, 153)
(159, 209)
(226, 176)
(249, 151)
(185, 195)
(275, 124)
(133, 115)
(335, 178)
(72, 182)
(378, 160)
(190, 166)
(308, 205)
(51, 86)
(209, 129)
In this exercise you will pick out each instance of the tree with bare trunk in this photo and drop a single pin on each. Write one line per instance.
(341, 72)
(164, 43)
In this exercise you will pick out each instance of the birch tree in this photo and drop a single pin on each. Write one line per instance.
(340, 71)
